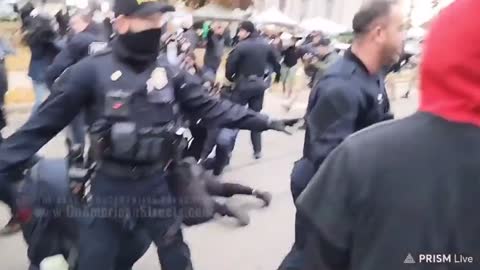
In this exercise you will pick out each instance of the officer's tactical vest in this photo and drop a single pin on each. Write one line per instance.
(140, 120)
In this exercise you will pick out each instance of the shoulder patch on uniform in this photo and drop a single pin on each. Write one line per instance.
(96, 47)
(104, 51)
(158, 79)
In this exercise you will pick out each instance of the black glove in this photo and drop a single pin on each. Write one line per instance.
(281, 125)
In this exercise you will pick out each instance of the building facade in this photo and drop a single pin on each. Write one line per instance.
(342, 11)
(339, 11)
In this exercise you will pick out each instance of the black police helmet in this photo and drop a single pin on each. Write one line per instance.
(140, 8)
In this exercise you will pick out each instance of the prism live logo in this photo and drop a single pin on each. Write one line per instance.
(439, 259)
(409, 259)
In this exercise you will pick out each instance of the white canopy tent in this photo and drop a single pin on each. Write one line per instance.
(216, 12)
(416, 33)
(273, 16)
(181, 19)
(324, 25)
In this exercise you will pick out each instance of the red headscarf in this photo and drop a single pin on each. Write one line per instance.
(450, 70)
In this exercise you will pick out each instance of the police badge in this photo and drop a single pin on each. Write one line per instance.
(158, 80)
(380, 99)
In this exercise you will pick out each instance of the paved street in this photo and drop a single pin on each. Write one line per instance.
(220, 245)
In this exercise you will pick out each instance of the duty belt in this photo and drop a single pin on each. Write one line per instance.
(120, 170)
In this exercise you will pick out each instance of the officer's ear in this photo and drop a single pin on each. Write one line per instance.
(379, 32)
(121, 24)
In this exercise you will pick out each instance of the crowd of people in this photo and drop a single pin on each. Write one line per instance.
(54, 60)
(128, 89)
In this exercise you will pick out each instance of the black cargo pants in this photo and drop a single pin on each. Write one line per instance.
(254, 100)
(226, 138)
(120, 203)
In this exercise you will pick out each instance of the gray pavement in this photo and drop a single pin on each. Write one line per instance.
(220, 244)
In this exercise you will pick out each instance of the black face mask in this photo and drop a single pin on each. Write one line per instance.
(143, 45)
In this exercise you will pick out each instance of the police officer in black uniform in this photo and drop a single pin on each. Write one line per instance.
(134, 105)
(86, 38)
(246, 67)
(83, 32)
(350, 97)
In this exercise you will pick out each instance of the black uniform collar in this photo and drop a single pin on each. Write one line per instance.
(253, 35)
(352, 57)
